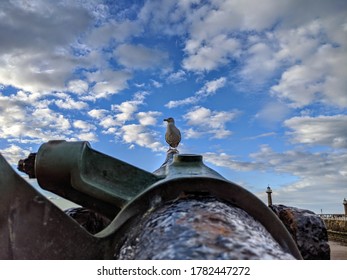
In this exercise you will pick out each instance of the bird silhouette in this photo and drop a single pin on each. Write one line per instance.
(172, 135)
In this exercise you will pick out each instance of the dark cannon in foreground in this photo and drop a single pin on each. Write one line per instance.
(183, 210)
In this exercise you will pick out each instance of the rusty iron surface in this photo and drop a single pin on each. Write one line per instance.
(200, 228)
(172, 190)
(90, 220)
(307, 229)
(28, 165)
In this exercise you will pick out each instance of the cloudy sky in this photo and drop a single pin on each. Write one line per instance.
(258, 88)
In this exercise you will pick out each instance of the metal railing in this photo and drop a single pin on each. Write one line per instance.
(342, 217)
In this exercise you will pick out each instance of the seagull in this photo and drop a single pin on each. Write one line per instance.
(172, 135)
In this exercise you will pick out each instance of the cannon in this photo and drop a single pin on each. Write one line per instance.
(183, 210)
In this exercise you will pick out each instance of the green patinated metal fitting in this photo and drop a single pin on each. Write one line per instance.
(77, 172)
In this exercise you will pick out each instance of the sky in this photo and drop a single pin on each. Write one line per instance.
(258, 88)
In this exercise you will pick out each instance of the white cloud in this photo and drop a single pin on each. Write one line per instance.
(78, 86)
(141, 57)
(212, 86)
(120, 31)
(110, 131)
(260, 64)
(27, 98)
(37, 71)
(119, 114)
(307, 50)
(298, 43)
(319, 78)
(224, 160)
(192, 133)
(148, 118)
(14, 153)
(268, 134)
(97, 113)
(182, 102)
(318, 178)
(141, 136)
(23, 122)
(210, 54)
(125, 111)
(108, 122)
(87, 136)
(317, 57)
(319, 168)
(48, 118)
(208, 89)
(226, 16)
(166, 19)
(212, 42)
(27, 119)
(34, 53)
(322, 130)
(156, 84)
(321, 176)
(83, 125)
(107, 82)
(177, 77)
(206, 121)
(69, 104)
(116, 122)
(40, 21)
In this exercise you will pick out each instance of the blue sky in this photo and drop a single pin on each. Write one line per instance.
(258, 88)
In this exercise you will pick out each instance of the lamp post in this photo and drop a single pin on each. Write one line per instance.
(269, 198)
(345, 205)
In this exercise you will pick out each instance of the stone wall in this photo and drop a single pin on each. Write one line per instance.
(336, 225)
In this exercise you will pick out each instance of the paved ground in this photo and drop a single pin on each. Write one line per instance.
(338, 251)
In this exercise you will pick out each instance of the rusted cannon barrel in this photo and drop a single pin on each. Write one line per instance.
(199, 227)
(184, 201)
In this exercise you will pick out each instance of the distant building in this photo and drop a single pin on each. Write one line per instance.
(269, 198)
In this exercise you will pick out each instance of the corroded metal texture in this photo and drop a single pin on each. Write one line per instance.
(90, 220)
(28, 165)
(200, 228)
(170, 190)
(307, 229)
